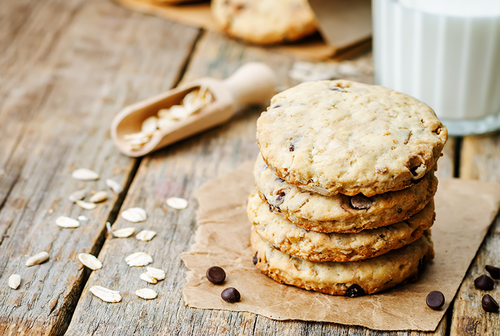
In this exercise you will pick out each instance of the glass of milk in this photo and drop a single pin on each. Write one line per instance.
(446, 53)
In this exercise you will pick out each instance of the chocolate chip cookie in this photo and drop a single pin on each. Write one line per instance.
(341, 213)
(264, 21)
(340, 247)
(348, 278)
(344, 137)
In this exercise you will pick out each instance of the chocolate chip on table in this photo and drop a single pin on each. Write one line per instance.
(230, 295)
(354, 291)
(255, 258)
(484, 282)
(494, 271)
(489, 304)
(435, 300)
(360, 202)
(216, 275)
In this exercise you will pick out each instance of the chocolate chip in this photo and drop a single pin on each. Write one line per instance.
(360, 202)
(484, 282)
(254, 259)
(276, 106)
(216, 275)
(279, 179)
(336, 88)
(494, 271)
(292, 148)
(279, 198)
(435, 300)
(354, 291)
(230, 295)
(489, 304)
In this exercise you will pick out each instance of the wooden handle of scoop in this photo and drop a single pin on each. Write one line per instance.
(253, 83)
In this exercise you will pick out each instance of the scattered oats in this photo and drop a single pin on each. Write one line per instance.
(148, 278)
(90, 261)
(82, 218)
(50, 211)
(99, 196)
(78, 195)
(177, 203)
(135, 215)
(124, 233)
(155, 273)
(14, 281)
(85, 205)
(145, 235)
(84, 174)
(115, 186)
(105, 294)
(139, 259)
(66, 222)
(37, 259)
(146, 293)
(108, 227)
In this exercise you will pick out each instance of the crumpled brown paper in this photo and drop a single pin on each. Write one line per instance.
(464, 210)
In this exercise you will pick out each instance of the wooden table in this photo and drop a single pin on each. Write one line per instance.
(66, 67)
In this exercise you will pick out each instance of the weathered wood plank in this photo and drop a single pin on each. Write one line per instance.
(99, 59)
(178, 171)
(480, 158)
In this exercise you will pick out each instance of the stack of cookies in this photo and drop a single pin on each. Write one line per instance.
(344, 187)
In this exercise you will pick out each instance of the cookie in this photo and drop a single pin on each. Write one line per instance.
(341, 213)
(339, 247)
(347, 278)
(264, 21)
(344, 137)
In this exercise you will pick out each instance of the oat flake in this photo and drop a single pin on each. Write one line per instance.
(37, 259)
(84, 174)
(177, 203)
(145, 235)
(106, 294)
(115, 186)
(148, 278)
(155, 273)
(90, 261)
(99, 196)
(146, 293)
(124, 233)
(135, 215)
(66, 222)
(77, 195)
(85, 205)
(14, 281)
(139, 259)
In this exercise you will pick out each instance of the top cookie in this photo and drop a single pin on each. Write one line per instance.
(345, 137)
(264, 21)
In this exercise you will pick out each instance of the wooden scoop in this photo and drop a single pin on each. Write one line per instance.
(252, 83)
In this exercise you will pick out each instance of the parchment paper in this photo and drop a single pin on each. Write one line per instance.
(314, 47)
(464, 208)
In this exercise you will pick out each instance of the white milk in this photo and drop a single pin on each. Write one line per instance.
(445, 53)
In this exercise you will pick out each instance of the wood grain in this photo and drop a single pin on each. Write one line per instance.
(480, 157)
(178, 171)
(69, 69)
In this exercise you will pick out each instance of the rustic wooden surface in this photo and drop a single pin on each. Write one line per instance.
(67, 67)
(61, 85)
(480, 157)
